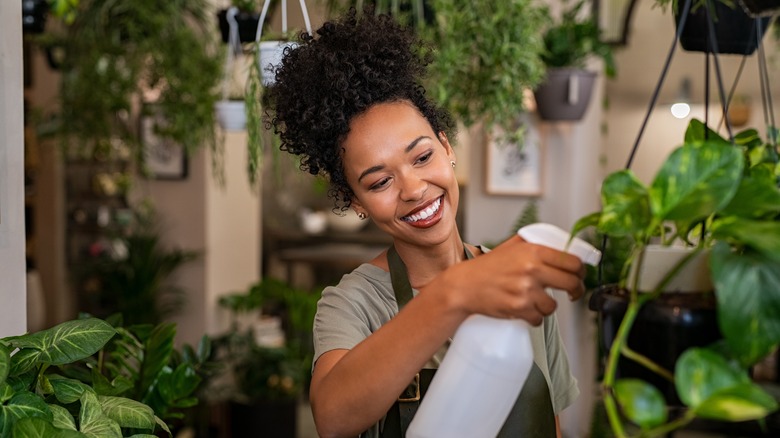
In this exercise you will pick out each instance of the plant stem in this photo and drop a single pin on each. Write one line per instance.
(664, 429)
(615, 351)
(647, 363)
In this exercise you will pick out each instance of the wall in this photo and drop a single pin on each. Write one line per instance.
(12, 264)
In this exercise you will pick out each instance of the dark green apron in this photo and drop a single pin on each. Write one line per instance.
(532, 415)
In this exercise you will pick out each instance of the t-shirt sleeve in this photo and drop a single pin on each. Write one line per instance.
(564, 384)
(346, 315)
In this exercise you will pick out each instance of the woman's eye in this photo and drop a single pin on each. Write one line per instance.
(380, 184)
(425, 157)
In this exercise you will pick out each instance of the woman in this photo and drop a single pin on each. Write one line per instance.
(350, 103)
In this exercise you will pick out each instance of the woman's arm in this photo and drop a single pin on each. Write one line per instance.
(353, 389)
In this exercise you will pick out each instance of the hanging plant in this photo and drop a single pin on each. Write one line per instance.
(122, 53)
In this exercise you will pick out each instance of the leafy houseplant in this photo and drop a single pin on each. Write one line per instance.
(269, 373)
(569, 43)
(116, 53)
(54, 385)
(129, 273)
(718, 197)
(488, 55)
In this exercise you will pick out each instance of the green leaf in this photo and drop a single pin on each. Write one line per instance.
(127, 412)
(763, 236)
(642, 402)
(5, 363)
(62, 419)
(22, 405)
(116, 387)
(6, 392)
(756, 196)
(67, 390)
(24, 360)
(179, 384)
(158, 348)
(584, 222)
(39, 428)
(93, 422)
(739, 403)
(700, 372)
(143, 435)
(626, 205)
(696, 133)
(695, 181)
(163, 425)
(748, 290)
(67, 342)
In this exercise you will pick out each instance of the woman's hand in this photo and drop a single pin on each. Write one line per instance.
(510, 281)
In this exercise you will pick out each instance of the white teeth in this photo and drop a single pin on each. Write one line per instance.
(425, 214)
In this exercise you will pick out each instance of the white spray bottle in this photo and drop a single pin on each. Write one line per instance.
(487, 363)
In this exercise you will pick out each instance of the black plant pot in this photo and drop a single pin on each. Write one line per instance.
(564, 95)
(735, 30)
(663, 330)
(266, 418)
(247, 25)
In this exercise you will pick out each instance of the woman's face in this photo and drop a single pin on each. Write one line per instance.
(400, 173)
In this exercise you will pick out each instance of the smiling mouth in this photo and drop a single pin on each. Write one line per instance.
(425, 213)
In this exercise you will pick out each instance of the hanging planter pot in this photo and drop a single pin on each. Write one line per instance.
(271, 54)
(565, 94)
(684, 316)
(231, 114)
(735, 30)
(247, 25)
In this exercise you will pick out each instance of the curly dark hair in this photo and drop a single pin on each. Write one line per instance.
(350, 65)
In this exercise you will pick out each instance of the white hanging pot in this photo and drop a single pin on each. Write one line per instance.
(271, 54)
(231, 114)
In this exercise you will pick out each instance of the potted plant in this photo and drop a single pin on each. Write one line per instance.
(736, 31)
(247, 18)
(87, 378)
(720, 200)
(487, 55)
(119, 56)
(268, 354)
(569, 43)
(266, 53)
(129, 273)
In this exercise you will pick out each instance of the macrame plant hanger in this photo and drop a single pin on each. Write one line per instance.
(712, 49)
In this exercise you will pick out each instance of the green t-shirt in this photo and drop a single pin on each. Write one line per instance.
(364, 300)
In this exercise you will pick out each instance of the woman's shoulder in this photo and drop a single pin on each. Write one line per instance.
(367, 282)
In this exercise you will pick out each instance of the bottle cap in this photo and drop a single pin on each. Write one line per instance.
(551, 236)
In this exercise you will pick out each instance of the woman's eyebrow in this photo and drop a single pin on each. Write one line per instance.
(408, 148)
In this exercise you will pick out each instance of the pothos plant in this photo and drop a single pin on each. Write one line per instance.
(86, 378)
(719, 196)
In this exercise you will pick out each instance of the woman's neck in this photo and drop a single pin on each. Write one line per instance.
(423, 264)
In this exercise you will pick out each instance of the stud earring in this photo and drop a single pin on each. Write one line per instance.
(452, 163)
(362, 216)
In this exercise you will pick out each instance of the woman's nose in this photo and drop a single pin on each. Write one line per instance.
(412, 187)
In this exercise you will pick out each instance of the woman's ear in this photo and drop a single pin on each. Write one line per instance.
(446, 143)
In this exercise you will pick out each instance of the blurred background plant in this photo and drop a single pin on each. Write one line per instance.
(130, 273)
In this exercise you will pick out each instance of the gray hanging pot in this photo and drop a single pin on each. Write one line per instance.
(565, 94)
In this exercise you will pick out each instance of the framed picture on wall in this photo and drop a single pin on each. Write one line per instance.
(163, 158)
(514, 169)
